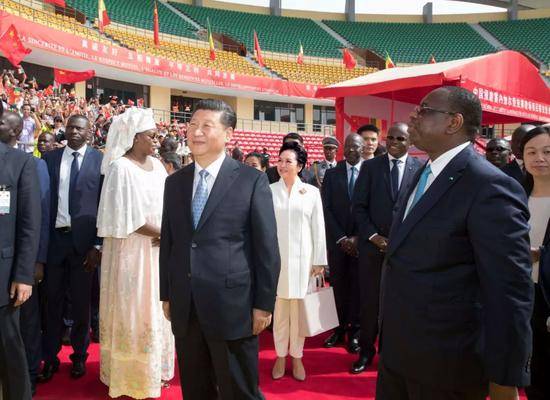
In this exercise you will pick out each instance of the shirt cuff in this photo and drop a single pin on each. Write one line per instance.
(371, 236)
(342, 238)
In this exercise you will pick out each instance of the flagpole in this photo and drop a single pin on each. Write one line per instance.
(392, 107)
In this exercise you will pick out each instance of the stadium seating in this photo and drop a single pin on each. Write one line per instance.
(414, 42)
(186, 53)
(138, 13)
(277, 34)
(250, 141)
(531, 35)
(320, 74)
(59, 22)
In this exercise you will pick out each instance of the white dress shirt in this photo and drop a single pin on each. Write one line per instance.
(437, 166)
(63, 218)
(357, 169)
(213, 171)
(400, 167)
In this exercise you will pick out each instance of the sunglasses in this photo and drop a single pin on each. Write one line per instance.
(398, 138)
(421, 111)
(498, 148)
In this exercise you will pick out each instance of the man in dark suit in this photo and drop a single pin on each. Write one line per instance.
(75, 183)
(219, 262)
(515, 168)
(305, 175)
(456, 293)
(380, 182)
(337, 193)
(19, 237)
(30, 320)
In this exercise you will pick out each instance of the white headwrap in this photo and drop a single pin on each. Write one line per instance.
(122, 131)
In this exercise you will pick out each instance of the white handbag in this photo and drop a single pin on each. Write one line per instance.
(317, 311)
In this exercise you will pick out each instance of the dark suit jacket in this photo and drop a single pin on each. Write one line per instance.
(373, 199)
(337, 205)
(20, 228)
(45, 198)
(88, 191)
(514, 170)
(306, 176)
(457, 294)
(227, 266)
(544, 265)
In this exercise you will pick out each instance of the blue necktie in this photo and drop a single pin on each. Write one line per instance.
(351, 183)
(394, 177)
(421, 187)
(200, 198)
(72, 183)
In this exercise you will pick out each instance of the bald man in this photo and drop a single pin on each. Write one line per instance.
(380, 182)
(515, 168)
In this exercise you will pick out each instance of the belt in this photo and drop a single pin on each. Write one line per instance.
(64, 229)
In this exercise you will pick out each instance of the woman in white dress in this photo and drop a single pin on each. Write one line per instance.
(535, 147)
(302, 245)
(137, 346)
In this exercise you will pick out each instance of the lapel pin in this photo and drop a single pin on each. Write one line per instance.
(451, 178)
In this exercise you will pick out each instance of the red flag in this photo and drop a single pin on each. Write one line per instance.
(63, 76)
(349, 60)
(156, 25)
(130, 102)
(11, 46)
(140, 102)
(59, 3)
(300, 59)
(103, 17)
(258, 50)
(48, 91)
(432, 59)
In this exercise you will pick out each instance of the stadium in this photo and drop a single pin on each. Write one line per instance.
(318, 73)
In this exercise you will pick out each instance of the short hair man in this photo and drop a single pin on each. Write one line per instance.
(319, 168)
(219, 261)
(171, 161)
(515, 168)
(498, 152)
(46, 142)
(370, 134)
(457, 294)
(381, 181)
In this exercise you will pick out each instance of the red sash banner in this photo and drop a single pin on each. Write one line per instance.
(37, 36)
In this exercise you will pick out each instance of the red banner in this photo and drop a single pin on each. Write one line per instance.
(41, 37)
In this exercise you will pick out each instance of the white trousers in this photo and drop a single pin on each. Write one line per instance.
(285, 329)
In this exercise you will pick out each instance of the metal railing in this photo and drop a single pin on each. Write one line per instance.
(253, 125)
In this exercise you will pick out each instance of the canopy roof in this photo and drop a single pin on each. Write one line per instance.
(508, 84)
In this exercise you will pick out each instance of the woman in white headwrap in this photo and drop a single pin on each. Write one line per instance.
(137, 346)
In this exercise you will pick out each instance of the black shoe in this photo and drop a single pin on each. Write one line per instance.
(78, 369)
(360, 365)
(353, 346)
(48, 370)
(66, 338)
(334, 340)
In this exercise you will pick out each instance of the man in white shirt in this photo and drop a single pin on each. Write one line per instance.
(456, 292)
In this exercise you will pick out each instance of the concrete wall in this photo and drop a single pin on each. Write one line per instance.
(80, 89)
(159, 98)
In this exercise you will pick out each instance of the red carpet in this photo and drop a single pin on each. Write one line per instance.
(327, 378)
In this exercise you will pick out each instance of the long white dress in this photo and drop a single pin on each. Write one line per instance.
(137, 345)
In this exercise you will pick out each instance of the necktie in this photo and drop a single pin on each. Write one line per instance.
(200, 198)
(421, 187)
(72, 183)
(351, 183)
(394, 177)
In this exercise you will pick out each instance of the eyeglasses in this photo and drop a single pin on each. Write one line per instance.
(423, 110)
(398, 138)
